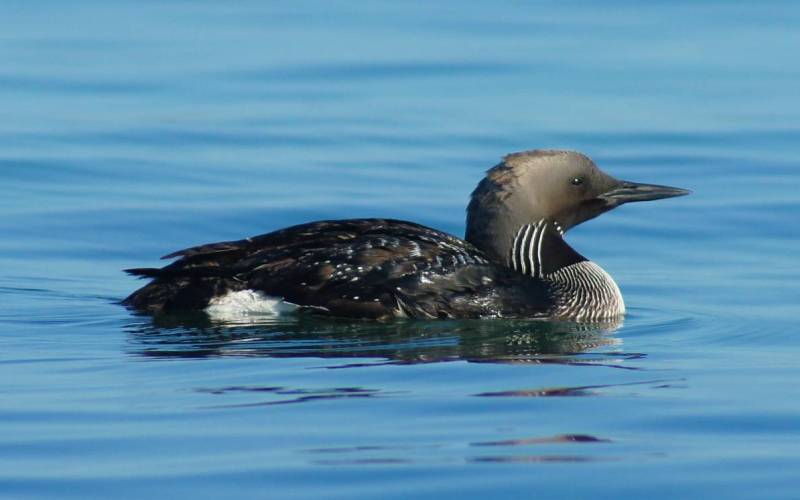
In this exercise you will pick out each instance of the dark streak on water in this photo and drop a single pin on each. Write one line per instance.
(129, 130)
(586, 390)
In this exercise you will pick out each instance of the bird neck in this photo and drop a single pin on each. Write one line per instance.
(581, 289)
(539, 250)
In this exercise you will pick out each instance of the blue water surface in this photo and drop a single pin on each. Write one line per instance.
(131, 129)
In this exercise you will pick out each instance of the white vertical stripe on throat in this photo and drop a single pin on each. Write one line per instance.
(526, 249)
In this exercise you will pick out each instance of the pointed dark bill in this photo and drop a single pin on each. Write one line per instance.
(625, 192)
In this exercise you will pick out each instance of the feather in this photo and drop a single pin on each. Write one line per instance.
(367, 268)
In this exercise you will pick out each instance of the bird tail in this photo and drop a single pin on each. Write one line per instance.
(145, 272)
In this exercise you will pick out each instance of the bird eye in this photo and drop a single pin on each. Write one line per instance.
(577, 181)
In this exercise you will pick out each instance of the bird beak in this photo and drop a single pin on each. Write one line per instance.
(625, 192)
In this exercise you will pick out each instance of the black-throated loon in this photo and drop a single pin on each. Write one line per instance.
(513, 262)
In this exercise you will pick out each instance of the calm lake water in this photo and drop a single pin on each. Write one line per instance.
(132, 129)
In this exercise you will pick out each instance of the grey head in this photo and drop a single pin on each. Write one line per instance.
(561, 188)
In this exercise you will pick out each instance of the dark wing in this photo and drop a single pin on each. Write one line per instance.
(368, 268)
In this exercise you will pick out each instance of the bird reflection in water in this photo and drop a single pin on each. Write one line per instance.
(362, 343)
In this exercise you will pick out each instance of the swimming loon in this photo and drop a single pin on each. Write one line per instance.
(513, 263)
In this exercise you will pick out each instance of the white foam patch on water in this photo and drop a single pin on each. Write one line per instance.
(236, 305)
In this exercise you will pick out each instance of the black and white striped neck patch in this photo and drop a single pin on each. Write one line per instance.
(526, 251)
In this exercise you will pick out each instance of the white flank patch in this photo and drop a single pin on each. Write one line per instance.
(235, 305)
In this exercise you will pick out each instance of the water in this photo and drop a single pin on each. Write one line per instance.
(132, 129)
